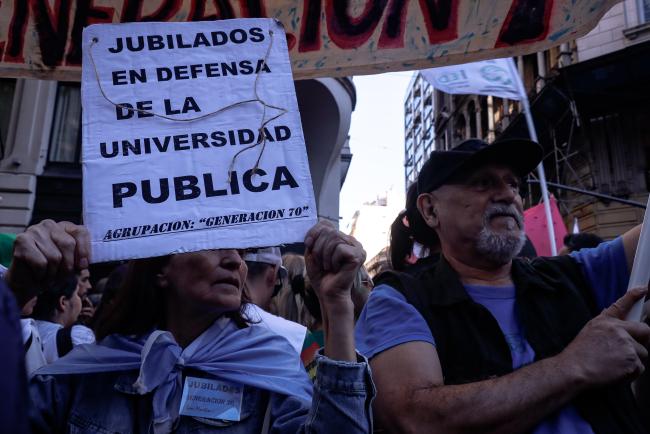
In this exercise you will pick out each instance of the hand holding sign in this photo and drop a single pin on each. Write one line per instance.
(609, 349)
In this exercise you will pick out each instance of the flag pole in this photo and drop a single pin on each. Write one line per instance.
(540, 168)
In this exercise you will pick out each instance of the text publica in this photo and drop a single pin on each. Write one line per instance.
(189, 187)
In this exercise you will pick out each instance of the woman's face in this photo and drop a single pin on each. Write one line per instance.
(210, 280)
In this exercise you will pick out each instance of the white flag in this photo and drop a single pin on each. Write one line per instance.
(498, 77)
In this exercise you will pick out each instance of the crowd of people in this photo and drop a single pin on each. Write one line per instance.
(466, 330)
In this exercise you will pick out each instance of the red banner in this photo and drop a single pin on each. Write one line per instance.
(42, 39)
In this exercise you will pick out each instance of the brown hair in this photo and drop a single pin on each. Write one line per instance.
(139, 305)
(291, 303)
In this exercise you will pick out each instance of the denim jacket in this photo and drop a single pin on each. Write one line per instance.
(108, 403)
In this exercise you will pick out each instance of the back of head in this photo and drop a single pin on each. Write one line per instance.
(583, 240)
(296, 300)
(137, 305)
(401, 243)
(48, 301)
(409, 227)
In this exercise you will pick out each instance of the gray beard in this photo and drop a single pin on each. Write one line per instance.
(498, 247)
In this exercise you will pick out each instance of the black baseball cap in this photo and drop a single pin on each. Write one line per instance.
(521, 155)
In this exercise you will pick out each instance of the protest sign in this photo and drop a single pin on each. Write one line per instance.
(325, 37)
(191, 139)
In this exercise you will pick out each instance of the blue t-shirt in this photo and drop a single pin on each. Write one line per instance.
(389, 320)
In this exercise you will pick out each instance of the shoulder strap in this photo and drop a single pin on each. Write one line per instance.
(29, 343)
(266, 425)
(64, 341)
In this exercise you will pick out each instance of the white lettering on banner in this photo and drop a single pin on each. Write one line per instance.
(191, 139)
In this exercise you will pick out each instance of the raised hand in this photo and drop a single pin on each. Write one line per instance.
(46, 252)
(332, 260)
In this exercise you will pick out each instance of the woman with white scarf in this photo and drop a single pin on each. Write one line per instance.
(177, 355)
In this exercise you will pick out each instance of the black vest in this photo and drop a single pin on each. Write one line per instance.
(554, 302)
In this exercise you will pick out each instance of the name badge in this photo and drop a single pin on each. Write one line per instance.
(212, 399)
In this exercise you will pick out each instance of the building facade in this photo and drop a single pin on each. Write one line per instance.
(40, 147)
(418, 126)
(370, 225)
(589, 102)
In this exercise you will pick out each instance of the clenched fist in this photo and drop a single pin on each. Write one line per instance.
(44, 253)
(332, 260)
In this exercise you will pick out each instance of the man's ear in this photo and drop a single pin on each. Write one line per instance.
(426, 204)
(61, 303)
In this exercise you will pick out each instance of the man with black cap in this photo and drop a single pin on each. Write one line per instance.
(484, 342)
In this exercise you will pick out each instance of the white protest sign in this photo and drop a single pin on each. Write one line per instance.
(174, 176)
(640, 274)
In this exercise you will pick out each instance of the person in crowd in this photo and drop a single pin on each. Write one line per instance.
(113, 283)
(484, 342)
(55, 313)
(13, 378)
(583, 240)
(296, 301)
(400, 250)
(83, 288)
(264, 278)
(412, 245)
(263, 283)
(177, 328)
(6, 248)
(361, 288)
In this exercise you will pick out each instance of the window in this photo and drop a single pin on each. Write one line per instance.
(65, 140)
(418, 153)
(408, 118)
(644, 11)
(417, 99)
(7, 89)
(409, 144)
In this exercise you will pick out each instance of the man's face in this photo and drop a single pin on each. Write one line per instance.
(482, 209)
(83, 283)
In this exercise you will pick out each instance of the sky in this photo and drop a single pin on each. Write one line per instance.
(376, 141)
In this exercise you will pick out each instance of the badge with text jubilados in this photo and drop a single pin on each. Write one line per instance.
(212, 399)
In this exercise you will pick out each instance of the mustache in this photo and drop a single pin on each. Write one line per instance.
(504, 210)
